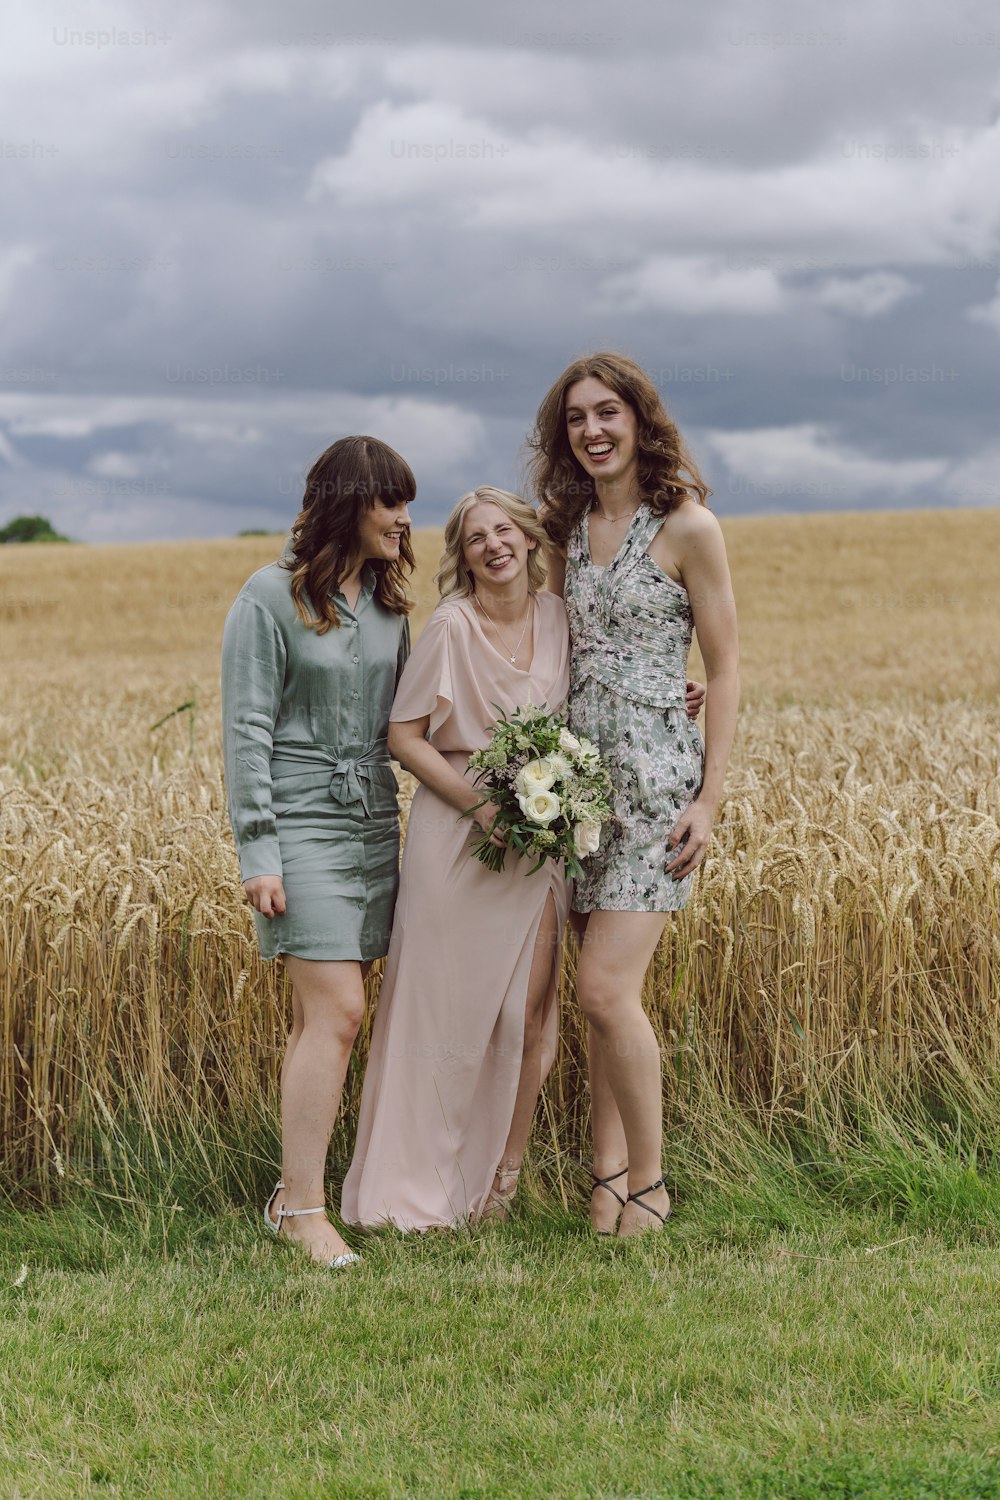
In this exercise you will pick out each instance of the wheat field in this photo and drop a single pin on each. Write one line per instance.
(840, 955)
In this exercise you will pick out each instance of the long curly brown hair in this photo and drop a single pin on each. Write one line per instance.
(343, 482)
(667, 473)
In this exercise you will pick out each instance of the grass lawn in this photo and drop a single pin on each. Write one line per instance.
(753, 1351)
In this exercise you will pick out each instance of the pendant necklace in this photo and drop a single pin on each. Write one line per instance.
(506, 644)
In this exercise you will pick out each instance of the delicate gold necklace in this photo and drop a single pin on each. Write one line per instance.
(496, 627)
(619, 517)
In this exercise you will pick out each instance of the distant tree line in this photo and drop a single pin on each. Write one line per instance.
(41, 529)
(30, 529)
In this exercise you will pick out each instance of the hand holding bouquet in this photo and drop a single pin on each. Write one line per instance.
(552, 790)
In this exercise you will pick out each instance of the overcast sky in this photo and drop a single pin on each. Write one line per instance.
(234, 232)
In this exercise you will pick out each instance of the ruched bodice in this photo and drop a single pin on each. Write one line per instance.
(630, 623)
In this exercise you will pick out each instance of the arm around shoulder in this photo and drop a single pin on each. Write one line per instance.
(555, 574)
(555, 558)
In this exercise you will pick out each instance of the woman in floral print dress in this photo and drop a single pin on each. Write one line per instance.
(632, 628)
(642, 564)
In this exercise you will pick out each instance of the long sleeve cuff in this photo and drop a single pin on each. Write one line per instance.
(260, 857)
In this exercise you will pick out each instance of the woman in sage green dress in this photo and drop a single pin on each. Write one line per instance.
(312, 651)
(641, 563)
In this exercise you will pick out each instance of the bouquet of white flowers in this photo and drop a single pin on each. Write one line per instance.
(552, 790)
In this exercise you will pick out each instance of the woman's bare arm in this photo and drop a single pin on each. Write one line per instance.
(408, 745)
(705, 575)
(555, 561)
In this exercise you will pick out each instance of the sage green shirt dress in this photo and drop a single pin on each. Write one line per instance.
(310, 788)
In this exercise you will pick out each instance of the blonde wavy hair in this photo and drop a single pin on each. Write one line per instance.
(453, 579)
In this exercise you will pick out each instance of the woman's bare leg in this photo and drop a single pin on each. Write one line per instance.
(609, 1154)
(298, 1021)
(330, 997)
(610, 1148)
(530, 1082)
(615, 953)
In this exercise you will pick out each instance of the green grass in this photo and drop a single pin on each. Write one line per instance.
(792, 1335)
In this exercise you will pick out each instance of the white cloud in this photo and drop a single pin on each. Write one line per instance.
(865, 296)
(693, 285)
(977, 480)
(254, 450)
(808, 459)
(987, 312)
(106, 104)
(422, 425)
(842, 203)
(235, 429)
(419, 153)
(113, 465)
(13, 259)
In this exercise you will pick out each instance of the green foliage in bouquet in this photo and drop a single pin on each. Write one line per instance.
(552, 789)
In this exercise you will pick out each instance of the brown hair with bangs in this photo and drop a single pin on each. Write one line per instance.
(666, 471)
(343, 482)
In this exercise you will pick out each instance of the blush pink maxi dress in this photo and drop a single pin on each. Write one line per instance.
(446, 1046)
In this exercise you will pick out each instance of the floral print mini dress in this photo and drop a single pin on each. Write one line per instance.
(630, 629)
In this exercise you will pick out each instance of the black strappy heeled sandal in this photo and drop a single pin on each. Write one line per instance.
(638, 1197)
(605, 1182)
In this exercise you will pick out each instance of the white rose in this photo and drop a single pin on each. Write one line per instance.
(587, 838)
(536, 776)
(540, 807)
(589, 755)
(568, 742)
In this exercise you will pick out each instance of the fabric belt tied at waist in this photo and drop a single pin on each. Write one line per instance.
(349, 775)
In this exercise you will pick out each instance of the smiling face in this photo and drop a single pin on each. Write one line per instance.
(602, 431)
(380, 528)
(494, 550)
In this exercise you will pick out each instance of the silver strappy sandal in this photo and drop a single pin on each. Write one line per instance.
(501, 1194)
(338, 1262)
(272, 1226)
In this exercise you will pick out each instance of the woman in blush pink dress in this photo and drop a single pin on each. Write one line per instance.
(466, 1021)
